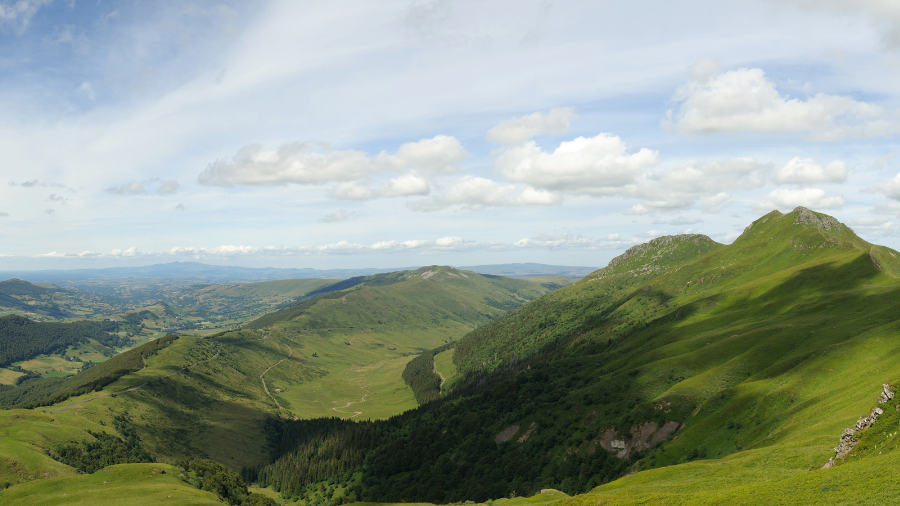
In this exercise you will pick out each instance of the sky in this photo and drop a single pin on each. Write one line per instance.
(354, 134)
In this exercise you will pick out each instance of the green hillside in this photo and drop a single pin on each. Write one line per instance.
(685, 372)
(682, 350)
(226, 397)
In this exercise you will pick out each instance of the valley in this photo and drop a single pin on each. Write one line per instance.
(684, 372)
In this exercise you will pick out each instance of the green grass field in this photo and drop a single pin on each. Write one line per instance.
(120, 485)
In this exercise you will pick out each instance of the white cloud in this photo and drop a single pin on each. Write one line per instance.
(891, 189)
(532, 197)
(806, 170)
(50, 212)
(745, 100)
(18, 13)
(338, 216)
(4, 215)
(786, 200)
(438, 155)
(180, 207)
(167, 187)
(888, 207)
(132, 188)
(130, 252)
(305, 164)
(352, 190)
(470, 192)
(716, 203)
(405, 185)
(885, 15)
(513, 132)
(58, 199)
(593, 166)
(680, 188)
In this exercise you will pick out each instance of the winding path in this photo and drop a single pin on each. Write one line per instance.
(355, 413)
(290, 352)
(132, 389)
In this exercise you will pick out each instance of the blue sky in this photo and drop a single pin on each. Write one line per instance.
(380, 134)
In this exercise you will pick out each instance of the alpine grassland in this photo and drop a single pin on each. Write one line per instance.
(685, 372)
(225, 397)
(692, 367)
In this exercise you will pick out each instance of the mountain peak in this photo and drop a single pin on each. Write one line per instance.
(804, 216)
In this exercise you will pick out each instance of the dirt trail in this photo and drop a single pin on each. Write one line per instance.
(133, 388)
(290, 352)
(355, 413)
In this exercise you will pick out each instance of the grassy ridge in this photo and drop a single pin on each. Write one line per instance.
(766, 348)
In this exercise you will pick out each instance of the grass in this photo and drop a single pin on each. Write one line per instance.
(120, 485)
(443, 365)
(8, 377)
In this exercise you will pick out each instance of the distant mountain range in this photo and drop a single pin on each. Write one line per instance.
(195, 271)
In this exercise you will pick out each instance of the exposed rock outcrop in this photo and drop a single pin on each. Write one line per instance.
(850, 436)
(643, 436)
(823, 221)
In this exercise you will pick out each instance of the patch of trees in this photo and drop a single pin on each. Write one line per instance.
(48, 391)
(105, 450)
(419, 374)
(446, 451)
(226, 484)
(24, 339)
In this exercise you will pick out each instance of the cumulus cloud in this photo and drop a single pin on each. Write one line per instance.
(891, 189)
(130, 252)
(167, 187)
(438, 155)
(513, 132)
(532, 197)
(352, 190)
(786, 200)
(50, 212)
(595, 166)
(716, 203)
(304, 164)
(180, 207)
(4, 215)
(338, 216)
(682, 186)
(806, 170)
(745, 100)
(470, 192)
(405, 185)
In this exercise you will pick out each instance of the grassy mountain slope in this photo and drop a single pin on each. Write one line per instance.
(218, 397)
(768, 347)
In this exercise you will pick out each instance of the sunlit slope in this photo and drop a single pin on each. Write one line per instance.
(756, 355)
(121, 485)
(215, 397)
(364, 335)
